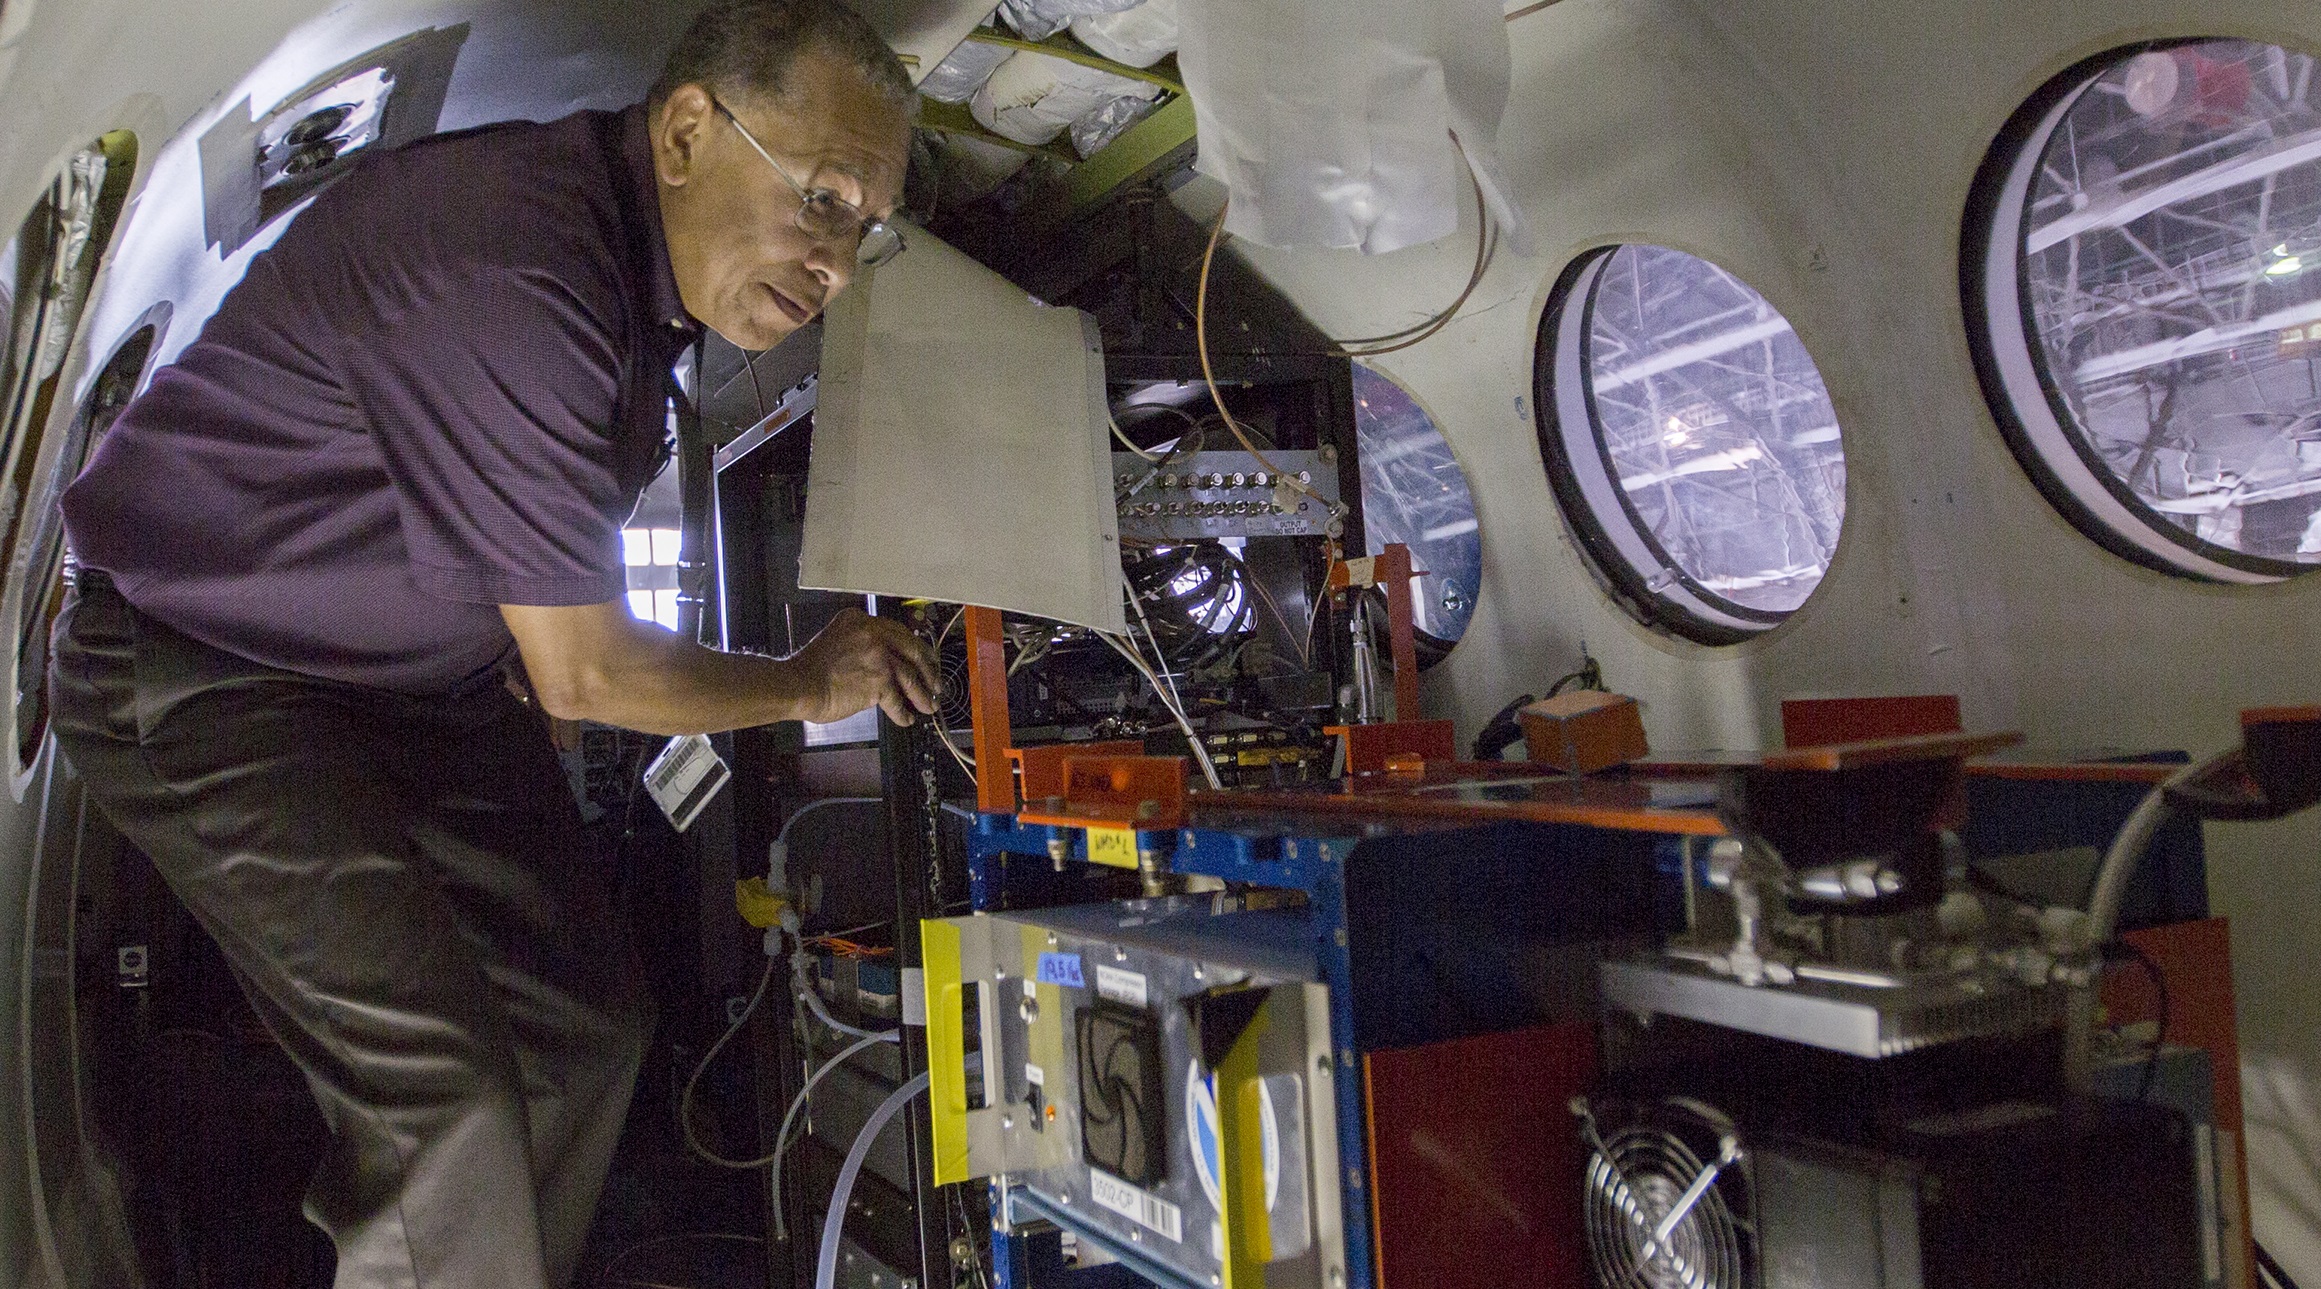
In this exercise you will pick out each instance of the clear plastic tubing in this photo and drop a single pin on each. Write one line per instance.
(826, 1268)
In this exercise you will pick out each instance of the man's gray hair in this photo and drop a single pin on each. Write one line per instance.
(744, 48)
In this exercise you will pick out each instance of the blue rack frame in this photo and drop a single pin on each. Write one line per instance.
(1369, 900)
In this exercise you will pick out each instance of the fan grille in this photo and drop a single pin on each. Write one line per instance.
(1628, 1195)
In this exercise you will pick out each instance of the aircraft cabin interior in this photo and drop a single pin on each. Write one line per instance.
(1608, 644)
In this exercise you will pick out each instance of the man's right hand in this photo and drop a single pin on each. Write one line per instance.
(595, 662)
(859, 660)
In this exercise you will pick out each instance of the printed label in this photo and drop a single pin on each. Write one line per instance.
(1120, 986)
(1060, 969)
(1034, 1075)
(1137, 1204)
(1113, 846)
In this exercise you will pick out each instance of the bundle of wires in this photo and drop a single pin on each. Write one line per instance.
(1196, 599)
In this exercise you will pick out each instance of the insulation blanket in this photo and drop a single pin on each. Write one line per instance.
(959, 446)
(1032, 98)
(1331, 124)
(1136, 37)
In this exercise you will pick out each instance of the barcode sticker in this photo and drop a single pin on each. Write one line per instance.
(1136, 1204)
(685, 777)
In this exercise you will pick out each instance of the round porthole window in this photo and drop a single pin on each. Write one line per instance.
(2143, 290)
(1690, 441)
(1413, 492)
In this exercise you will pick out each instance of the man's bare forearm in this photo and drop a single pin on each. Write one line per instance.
(672, 686)
(597, 663)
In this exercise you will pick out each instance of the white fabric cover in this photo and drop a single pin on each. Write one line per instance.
(1040, 19)
(960, 450)
(1331, 123)
(1032, 98)
(1136, 37)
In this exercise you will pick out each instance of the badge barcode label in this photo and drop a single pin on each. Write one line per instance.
(679, 756)
(684, 777)
(1136, 1204)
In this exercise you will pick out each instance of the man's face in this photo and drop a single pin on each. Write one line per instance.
(744, 268)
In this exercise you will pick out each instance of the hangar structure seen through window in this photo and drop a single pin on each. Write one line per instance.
(1691, 441)
(1413, 492)
(2144, 288)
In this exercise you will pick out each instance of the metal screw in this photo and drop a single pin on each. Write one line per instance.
(1346, 1057)
(1339, 935)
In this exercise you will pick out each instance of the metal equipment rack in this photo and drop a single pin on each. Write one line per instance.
(1426, 930)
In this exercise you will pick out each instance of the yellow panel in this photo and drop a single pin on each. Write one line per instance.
(946, 1049)
(1241, 1154)
(1114, 846)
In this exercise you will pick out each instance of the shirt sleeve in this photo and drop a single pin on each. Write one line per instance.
(494, 401)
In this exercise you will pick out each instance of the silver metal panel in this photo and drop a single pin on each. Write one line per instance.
(790, 411)
(1217, 494)
(858, 1269)
(1863, 1021)
(1174, 950)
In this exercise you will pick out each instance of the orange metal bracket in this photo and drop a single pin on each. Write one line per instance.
(1394, 573)
(1042, 767)
(1391, 571)
(1142, 792)
(1371, 748)
(987, 702)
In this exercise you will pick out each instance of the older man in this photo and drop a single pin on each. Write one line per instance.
(396, 461)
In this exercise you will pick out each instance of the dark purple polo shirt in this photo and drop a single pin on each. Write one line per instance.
(440, 392)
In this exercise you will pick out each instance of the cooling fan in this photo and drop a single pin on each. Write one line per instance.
(1123, 1129)
(954, 707)
(1665, 1198)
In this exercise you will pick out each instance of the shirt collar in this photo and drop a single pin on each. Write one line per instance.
(668, 308)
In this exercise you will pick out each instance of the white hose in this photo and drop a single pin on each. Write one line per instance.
(797, 1103)
(826, 1267)
(2120, 863)
(2126, 854)
(806, 990)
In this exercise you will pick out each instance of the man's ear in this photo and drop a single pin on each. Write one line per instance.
(678, 130)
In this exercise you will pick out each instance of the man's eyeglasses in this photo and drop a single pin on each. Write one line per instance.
(824, 215)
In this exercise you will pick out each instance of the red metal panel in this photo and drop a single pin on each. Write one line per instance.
(1474, 1161)
(1813, 722)
(1481, 792)
(1394, 573)
(2195, 958)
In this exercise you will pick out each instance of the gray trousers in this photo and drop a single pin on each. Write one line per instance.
(401, 887)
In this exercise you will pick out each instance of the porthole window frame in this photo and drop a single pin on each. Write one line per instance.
(1433, 647)
(2025, 400)
(1667, 599)
(29, 441)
